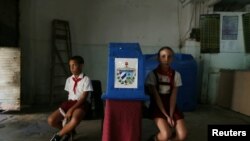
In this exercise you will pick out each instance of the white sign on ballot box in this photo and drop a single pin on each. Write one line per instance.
(126, 73)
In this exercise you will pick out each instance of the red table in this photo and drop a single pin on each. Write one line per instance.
(122, 120)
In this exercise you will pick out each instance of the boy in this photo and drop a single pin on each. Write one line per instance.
(78, 86)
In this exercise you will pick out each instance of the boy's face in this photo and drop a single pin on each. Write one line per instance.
(75, 68)
(166, 57)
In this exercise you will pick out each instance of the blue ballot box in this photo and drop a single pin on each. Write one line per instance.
(150, 62)
(125, 72)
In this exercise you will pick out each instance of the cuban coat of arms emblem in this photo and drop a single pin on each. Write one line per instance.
(126, 73)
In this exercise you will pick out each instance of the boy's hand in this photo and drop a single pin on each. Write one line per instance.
(69, 114)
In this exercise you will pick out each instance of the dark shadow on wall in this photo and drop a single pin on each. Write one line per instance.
(9, 23)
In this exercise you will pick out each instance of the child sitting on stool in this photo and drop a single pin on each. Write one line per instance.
(78, 86)
(162, 85)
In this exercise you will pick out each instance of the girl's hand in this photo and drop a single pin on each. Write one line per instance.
(169, 119)
(172, 122)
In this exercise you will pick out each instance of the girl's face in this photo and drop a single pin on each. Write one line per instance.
(75, 68)
(166, 57)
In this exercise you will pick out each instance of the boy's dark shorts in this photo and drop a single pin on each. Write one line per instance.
(68, 104)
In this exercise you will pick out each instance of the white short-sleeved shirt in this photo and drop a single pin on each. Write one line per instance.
(84, 85)
(163, 89)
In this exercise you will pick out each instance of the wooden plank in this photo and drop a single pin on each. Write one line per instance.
(9, 78)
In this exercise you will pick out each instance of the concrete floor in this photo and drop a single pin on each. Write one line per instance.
(30, 124)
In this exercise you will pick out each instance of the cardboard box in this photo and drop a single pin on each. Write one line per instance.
(241, 92)
(225, 89)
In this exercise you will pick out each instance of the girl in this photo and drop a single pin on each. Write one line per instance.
(162, 84)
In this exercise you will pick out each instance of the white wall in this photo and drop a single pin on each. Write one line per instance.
(93, 23)
(211, 65)
(232, 56)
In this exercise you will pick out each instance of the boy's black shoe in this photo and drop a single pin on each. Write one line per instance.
(56, 138)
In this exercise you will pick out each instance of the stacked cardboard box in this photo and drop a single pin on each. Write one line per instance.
(225, 89)
(234, 91)
(241, 93)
